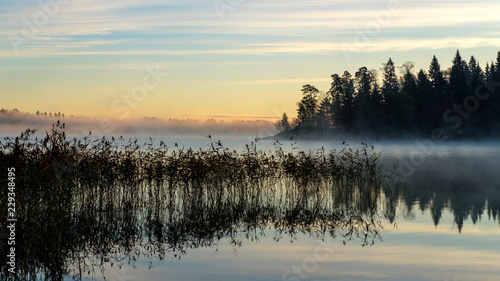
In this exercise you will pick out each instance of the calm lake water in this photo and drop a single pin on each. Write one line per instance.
(438, 214)
(434, 217)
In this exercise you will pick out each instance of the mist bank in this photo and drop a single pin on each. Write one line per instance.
(439, 135)
(13, 122)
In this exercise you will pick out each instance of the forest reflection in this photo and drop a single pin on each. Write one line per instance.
(468, 187)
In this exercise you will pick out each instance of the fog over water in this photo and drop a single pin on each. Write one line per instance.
(439, 207)
(12, 123)
(439, 225)
(464, 163)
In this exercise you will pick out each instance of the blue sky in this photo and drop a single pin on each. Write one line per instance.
(239, 58)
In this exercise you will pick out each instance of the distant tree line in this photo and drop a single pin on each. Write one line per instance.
(58, 114)
(463, 100)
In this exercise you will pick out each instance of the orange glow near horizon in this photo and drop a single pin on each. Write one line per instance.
(249, 63)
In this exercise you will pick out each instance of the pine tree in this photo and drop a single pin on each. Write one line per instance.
(436, 75)
(493, 70)
(390, 91)
(348, 111)
(458, 85)
(363, 106)
(323, 116)
(487, 74)
(479, 122)
(476, 75)
(309, 103)
(439, 85)
(337, 94)
(425, 103)
(496, 73)
(495, 95)
(408, 95)
(283, 124)
(301, 115)
(376, 104)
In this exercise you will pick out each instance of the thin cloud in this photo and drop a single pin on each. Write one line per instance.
(282, 81)
(93, 17)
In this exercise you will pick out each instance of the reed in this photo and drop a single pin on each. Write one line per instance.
(85, 203)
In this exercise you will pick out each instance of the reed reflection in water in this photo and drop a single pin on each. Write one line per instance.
(86, 205)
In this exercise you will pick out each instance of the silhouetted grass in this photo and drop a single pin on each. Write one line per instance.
(84, 203)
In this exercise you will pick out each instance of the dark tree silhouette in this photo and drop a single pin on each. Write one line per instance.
(495, 99)
(408, 95)
(324, 116)
(283, 124)
(458, 83)
(426, 102)
(415, 104)
(364, 82)
(376, 105)
(337, 94)
(348, 112)
(390, 96)
(308, 107)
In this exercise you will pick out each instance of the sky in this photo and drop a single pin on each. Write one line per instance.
(240, 59)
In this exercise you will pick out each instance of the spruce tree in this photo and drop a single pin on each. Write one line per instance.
(390, 91)
(407, 97)
(337, 94)
(348, 111)
(376, 105)
(424, 104)
(363, 106)
(308, 107)
(458, 86)
(495, 95)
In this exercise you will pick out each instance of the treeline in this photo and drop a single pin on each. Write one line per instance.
(12, 120)
(461, 102)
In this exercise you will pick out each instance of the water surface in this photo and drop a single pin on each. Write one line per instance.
(439, 221)
(433, 216)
